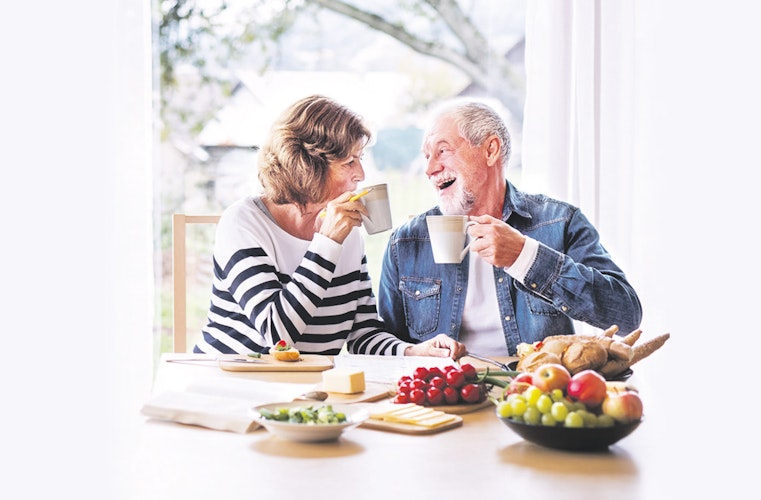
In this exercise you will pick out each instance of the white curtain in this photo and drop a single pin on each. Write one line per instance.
(578, 127)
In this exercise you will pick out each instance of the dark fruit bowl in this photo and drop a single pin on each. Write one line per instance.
(624, 375)
(573, 439)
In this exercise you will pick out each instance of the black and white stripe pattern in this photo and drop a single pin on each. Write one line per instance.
(316, 295)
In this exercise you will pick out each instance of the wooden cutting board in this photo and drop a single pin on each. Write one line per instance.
(306, 363)
(405, 428)
(402, 428)
(373, 392)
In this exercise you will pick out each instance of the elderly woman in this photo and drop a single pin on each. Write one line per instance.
(283, 271)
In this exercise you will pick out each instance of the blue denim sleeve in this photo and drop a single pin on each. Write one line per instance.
(583, 281)
(390, 304)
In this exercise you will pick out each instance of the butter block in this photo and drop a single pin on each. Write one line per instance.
(343, 380)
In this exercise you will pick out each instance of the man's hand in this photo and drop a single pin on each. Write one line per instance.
(495, 241)
(442, 346)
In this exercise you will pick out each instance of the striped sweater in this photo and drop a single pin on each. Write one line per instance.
(269, 285)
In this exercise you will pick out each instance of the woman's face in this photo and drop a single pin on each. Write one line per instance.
(345, 175)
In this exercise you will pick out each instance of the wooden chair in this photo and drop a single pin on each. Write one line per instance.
(179, 275)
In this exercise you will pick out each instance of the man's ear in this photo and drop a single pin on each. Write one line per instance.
(493, 150)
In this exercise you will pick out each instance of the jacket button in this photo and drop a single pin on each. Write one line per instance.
(564, 308)
(533, 285)
(417, 292)
(507, 318)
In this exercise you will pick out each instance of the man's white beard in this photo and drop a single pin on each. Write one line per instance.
(461, 203)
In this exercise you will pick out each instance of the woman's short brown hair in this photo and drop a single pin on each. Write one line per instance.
(308, 136)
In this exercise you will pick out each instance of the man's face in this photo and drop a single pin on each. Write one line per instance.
(453, 167)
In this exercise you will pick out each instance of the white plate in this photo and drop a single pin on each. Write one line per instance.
(310, 433)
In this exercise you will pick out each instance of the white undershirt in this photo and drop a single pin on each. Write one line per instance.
(481, 328)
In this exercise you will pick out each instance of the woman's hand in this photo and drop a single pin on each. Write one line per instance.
(442, 346)
(341, 216)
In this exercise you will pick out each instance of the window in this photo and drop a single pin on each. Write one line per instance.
(227, 73)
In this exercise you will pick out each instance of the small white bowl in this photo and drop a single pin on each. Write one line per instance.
(309, 433)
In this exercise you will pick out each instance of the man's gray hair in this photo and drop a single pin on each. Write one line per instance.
(476, 121)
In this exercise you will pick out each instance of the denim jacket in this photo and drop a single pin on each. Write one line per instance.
(572, 278)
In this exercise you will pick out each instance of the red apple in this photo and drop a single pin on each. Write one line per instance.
(516, 387)
(551, 376)
(624, 407)
(524, 377)
(587, 387)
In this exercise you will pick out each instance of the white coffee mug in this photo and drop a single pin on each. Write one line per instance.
(378, 217)
(448, 234)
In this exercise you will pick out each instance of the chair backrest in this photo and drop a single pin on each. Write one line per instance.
(179, 276)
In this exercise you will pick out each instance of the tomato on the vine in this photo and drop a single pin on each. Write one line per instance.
(418, 383)
(421, 373)
(451, 395)
(471, 393)
(437, 382)
(469, 371)
(417, 396)
(403, 387)
(401, 398)
(456, 378)
(434, 396)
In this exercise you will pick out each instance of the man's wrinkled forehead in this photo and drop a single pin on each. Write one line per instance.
(441, 129)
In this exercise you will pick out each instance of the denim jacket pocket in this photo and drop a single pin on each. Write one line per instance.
(537, 305)
(422, 301)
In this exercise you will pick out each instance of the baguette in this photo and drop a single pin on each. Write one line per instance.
(632, 338)
(645, 349)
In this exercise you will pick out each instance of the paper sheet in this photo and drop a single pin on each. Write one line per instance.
(388, 369)
(221, 404)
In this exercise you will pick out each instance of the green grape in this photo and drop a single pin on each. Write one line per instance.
(532, 416)
(557, 394)
(519, 406)
(590, 419)
(504, 409)
(605, 420)
(532, 395)
(548, 420)
(577, 406)
(573, 419)
(544, 403)
(559, 411)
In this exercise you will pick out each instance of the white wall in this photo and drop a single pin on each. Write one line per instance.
(77, 252)
(697, 92)
(697, 84)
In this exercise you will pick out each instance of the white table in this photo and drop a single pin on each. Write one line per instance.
(481, 459)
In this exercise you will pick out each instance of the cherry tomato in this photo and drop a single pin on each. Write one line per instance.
(435, 371)
(471, 393)
(469, 371)
(434, 396)
(456, 378)
(417, 396)
(421, 373)
(401, 399)
(437, 382)
(403, 387)
(405, 378)
(418, 384)
(451, 395)
(281, 345)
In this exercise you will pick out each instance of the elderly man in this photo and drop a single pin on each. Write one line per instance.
(535, 263)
